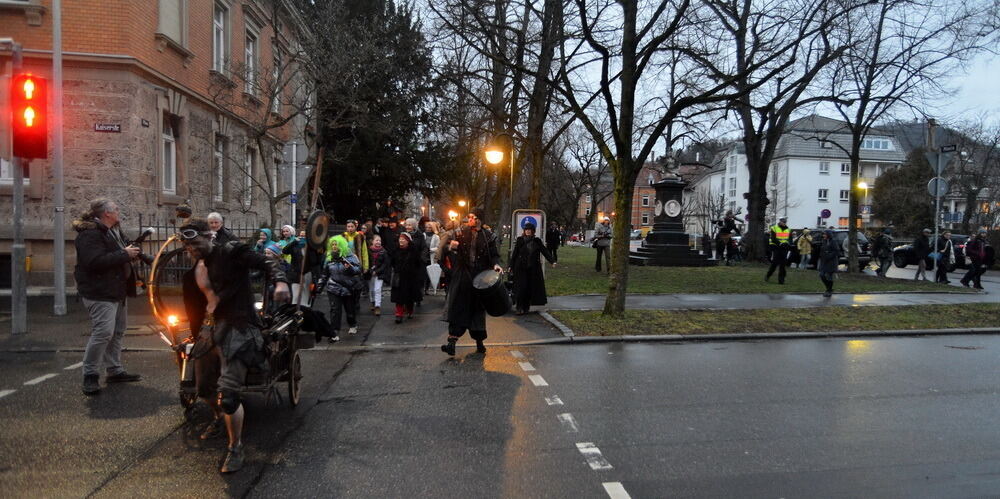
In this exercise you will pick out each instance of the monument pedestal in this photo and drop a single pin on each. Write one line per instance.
(667, 245)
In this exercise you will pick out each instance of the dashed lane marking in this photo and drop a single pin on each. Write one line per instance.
(553, 400)
(593, 456)
(40, 379)
(526, 366)
(74, 366)
(537, 380)
(616, 490)
(517, 354)
(4, 393)
(568, 422)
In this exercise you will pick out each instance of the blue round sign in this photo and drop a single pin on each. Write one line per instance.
(528, 220)
(825, 213)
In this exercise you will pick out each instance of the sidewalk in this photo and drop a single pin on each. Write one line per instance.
(758, 301)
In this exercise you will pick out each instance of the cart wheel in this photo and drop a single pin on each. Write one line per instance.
(294, 379)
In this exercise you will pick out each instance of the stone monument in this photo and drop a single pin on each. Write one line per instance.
(667, 245)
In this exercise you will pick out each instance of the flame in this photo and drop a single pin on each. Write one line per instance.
(452, 215)
(172, 320)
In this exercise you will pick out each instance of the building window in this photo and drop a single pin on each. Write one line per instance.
(645, 199)
(824, 167)
(220, 38)
(250, 60)
(845, 195)
(590, 198)
(826, 144)
(248, 170)
(171, 21)
(588, 211)
(219, 165)
(275, 82)
(842, 221)
(822, 196)
(645, 219)
(877, 144)
(732, 206)
(168, 144)
(732, 187)
(7, 173)
(732, 164)
(845, 168)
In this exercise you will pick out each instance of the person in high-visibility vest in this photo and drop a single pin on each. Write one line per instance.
(780, 238)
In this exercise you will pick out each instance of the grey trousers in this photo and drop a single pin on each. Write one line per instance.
(104, 348)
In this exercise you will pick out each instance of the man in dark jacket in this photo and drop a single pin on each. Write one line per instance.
(104, 278)
(472, 250)
(922, 248)
(217, 224)
(882, 251)
(229, 340)
(553, 239)
(975, 250)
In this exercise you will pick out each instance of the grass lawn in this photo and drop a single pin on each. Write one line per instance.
(575, 275)
(591, 323)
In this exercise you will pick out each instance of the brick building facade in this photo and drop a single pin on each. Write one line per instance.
(643, 200)
(168, 77)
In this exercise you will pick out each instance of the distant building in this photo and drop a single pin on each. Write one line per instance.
(143, 123)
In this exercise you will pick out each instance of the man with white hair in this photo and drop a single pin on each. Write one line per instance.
(216, 223)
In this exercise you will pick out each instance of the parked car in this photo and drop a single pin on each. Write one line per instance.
(904, 255)
(840, 235)
(636, 235)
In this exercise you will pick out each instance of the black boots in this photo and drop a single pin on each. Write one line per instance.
(91, 384)
(480, 347)
(449, 348)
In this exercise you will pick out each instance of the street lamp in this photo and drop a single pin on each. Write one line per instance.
(502, 147)
(864, 185)
(461, 203)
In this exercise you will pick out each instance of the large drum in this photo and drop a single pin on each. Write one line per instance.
(491, 291)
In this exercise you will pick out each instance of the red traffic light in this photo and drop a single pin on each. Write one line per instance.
(29, 103)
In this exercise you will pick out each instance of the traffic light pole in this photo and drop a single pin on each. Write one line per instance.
(19, 278)
(58, 222)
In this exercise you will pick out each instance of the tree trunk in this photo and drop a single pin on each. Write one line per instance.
(853, 265)
(538, 109)
(614, 305)
(756, 234)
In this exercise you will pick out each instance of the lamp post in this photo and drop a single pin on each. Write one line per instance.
(864, 185)
(495, 153)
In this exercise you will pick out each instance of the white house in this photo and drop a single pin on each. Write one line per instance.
(810, 173)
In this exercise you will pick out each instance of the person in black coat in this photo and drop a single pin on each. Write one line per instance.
(472, 250)
(407, 276)
(922, 248)
(553, 239)
(529, 281)
(828, 260)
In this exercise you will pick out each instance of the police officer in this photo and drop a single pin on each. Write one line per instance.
(780, 238)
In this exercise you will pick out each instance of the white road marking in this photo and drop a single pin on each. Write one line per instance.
(568, 422)
(526, 366)
(40, 379)
(538, 380)
(553, 400)
(615, 490)
(593, 456)
(4, 393)
(517, 354)
(74, 366)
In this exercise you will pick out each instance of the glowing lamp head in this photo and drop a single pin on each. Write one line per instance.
(862, 185)
(462, 204)
(172, 320)
(452, 215)
(494, 156)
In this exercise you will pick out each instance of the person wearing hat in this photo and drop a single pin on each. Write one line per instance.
(780, 238)
(976, 251)
(882, 251)
(472, 252)
(922, 248)
(526, 264)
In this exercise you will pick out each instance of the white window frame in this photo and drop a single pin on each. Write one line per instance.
(7, 173)
(825, 144)
(824, 167)
(845, 168)
(645, 200)
(877, 144)
(249, 160)
(588, 211)
(182, 34)
(168, 168)
(220, 37)
(845, 195)
(822, 195)
(276, 85)
(732, 187)
(590, 199)
(219, 165)
(251, 60)
(645, 219)
(732, 164)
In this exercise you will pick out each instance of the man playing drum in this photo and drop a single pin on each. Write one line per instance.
(229, 340)
(472, 251)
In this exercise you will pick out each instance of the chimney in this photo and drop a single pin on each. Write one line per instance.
(931, 126)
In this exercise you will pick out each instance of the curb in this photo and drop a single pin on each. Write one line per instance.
(634, 338)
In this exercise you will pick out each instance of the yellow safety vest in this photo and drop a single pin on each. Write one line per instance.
(783, 235)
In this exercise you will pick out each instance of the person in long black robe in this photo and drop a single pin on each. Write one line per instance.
(472, 251)
(526, 264)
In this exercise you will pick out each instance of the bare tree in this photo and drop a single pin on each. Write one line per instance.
(900, 51)
(975, 171)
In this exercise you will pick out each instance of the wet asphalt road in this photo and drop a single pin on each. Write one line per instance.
(892, 417)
